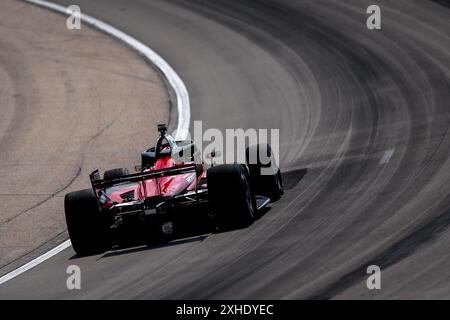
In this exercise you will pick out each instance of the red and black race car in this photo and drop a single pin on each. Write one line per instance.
(172, 184)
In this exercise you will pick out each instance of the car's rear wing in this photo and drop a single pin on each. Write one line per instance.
(98, 183)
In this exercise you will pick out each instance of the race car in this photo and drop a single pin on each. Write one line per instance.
(171, 186)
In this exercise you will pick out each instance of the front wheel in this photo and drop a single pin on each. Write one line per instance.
(265, 175)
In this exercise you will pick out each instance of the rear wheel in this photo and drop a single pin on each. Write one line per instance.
(230, 195)
(88, 230)
(115, 173)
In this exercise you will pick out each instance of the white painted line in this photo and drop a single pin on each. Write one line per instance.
(183, 105)
(265, 202)
(387, 156)
(35, 262)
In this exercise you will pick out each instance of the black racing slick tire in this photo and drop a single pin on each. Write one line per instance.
(269, 182)
(230, 195)
(271, 186)
(88, 230)
(115, 173)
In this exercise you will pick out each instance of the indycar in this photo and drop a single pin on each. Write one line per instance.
(171, 185)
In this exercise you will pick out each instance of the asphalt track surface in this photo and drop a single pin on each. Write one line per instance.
(65, 97)
(364, 118)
